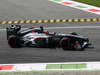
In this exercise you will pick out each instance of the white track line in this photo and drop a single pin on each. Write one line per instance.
(72, 27)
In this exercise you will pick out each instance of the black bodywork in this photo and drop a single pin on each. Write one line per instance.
(70, 41)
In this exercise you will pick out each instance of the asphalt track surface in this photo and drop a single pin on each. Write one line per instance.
(43, 9)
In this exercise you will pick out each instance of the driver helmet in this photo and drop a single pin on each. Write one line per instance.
(73, 33)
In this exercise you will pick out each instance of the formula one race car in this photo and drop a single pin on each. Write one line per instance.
(37, 37)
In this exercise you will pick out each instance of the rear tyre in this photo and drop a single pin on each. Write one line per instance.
(13, 41)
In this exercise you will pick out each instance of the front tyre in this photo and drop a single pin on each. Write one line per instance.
(65, 43)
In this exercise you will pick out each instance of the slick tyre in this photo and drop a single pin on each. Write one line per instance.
(65, 43)
(13, 41)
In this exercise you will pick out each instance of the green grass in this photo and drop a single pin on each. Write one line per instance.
(66, 66)
(91, 2)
